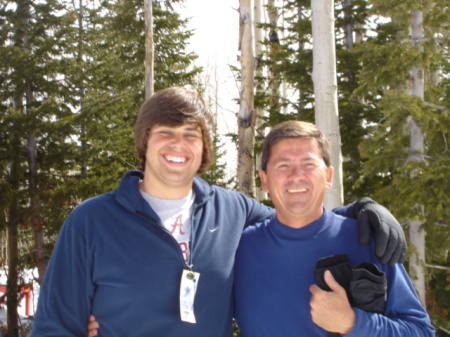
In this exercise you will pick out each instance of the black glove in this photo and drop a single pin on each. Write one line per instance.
(339, 266)
(341, 269)
(368, 288)
(364, 283)
(389, 236)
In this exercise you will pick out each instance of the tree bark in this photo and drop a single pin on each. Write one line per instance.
(31, 149)
(416, 232)
(274, 78)
(81, 89)
(13, 221)
(149, 49)
(12, 286)
(260, 194)
(247, 115)
(325, 91)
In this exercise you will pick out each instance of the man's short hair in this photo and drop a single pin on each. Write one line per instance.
(294, 129)
(174, 107)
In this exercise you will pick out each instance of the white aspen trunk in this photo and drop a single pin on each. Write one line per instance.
(325, 91)
(247, 115)
(416, 232)
(260, 194)
(149, 49)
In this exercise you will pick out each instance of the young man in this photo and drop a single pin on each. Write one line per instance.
(276, 259)
(155, 257)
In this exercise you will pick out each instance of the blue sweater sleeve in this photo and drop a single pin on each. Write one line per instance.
(64, 300)
(404, 315)
(346, 210)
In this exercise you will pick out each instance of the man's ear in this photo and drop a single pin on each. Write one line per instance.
(264, 184)
(330, 172)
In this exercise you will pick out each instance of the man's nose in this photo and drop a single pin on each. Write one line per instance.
(177, 138)
(297, 171)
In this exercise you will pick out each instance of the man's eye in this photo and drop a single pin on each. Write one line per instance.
(192, 136)
(309, 166)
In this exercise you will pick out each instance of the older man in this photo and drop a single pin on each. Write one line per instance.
(275, 292)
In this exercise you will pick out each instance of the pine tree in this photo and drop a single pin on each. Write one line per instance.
(34, 114)
(216, 174)
(402, 183)
(72, 83)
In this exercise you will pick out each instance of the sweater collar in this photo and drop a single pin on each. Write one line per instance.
(307, 232)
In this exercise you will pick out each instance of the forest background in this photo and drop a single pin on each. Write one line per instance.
(72, 83)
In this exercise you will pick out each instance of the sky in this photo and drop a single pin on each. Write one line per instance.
(215, 41)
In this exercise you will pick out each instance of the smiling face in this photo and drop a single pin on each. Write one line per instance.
(173, 157)
(296, 178)
(173, 107)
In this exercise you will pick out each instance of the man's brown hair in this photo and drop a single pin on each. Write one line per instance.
(294, 129)
(174, 107)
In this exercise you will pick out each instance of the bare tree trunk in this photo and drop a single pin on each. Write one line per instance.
(284, 86)
(349, 41)
(36, 218)
(31, 147)
(81, 89)
(348, 28)
(247, 115)
(13, 221)
(12, 317)
(325, 91)
(149, 49)
(260, 194)
(274, 78)
(417, 235)
(12, 286)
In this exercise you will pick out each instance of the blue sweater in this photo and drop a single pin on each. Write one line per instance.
(113, 259)
(274, 270)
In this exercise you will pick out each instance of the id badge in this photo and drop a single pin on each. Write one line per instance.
(188, 288)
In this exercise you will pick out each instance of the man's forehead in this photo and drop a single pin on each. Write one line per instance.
(306, 144)
(291, 148)
(184, 126)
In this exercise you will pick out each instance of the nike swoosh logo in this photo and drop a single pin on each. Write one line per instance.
(212, 230)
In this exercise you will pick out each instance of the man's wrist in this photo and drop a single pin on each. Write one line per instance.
(351, 323)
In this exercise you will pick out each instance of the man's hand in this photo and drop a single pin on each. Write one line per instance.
(331, 310)
(389, 236)
(92, 327)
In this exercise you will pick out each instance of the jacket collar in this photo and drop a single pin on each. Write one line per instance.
(129, 196)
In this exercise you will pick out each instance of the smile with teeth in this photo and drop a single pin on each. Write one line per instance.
(297, 190)
(175, 159)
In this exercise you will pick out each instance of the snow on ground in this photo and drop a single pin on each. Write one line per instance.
(25, 322)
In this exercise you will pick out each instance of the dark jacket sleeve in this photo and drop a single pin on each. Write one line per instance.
(64, 299)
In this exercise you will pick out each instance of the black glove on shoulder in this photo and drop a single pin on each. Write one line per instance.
(389, 236)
